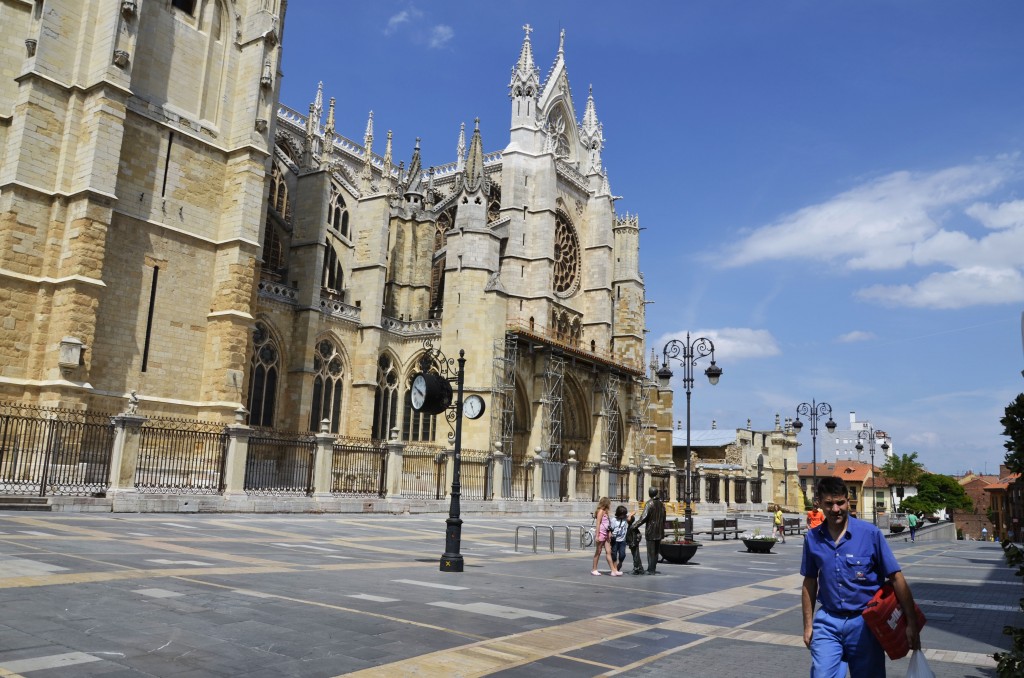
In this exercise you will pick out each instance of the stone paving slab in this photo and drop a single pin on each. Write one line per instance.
(291, 595)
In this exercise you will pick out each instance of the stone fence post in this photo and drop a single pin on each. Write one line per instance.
(124, 458)
(570, 489)
(538, 476)
(673, 483)
(647, 480)
(393, 478)
(235, 458)
(498, 474)
(323, 463)
(604, 477)
(633, 470)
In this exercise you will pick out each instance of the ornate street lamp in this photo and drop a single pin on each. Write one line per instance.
(813, 410)
(687, 355)
(432, 394)
(869, 435)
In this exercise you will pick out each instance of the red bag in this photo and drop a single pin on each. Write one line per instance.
(884, 616)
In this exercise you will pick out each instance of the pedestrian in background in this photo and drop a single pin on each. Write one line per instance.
(618, 526)
(814, 517)
(845, 561)
(912, 521)
(601, 537)
(780, 524)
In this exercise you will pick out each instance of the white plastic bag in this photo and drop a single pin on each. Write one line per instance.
(919, 666)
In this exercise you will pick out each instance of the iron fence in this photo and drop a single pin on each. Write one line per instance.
(179, 456)
(741, 490)
(424, 472)
(279, 463)
(518, 479)
(359, 467)
(660, 481)
(618, 485)
(50, 451)
(475, 474)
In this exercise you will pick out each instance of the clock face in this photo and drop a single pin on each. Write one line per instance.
(419, 391)
(473, 406)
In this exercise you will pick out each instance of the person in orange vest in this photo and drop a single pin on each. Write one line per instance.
(815, 517)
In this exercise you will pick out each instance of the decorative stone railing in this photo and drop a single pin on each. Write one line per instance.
(278, 291)
(412, 328)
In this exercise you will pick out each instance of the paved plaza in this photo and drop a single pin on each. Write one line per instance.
(129, 595)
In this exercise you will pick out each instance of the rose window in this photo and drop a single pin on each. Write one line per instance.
(567, 257)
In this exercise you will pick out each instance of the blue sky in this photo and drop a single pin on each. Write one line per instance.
(832, 191)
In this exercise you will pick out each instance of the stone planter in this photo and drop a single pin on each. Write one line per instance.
(677, 553)
(896, 529)
(759, 545)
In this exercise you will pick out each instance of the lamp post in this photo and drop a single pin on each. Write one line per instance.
(812, 411)
(869, 435)
(687, 353)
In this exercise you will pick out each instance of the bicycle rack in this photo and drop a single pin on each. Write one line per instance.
(551, 534)
(526, 527)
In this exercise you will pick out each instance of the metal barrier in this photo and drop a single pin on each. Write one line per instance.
(526, 527)
(551, 534)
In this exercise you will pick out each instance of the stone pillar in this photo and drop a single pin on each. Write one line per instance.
(124, 458)
(234, 463)
(570, 489)
(498, 474)
(673, 483)
(449, 472)
(647, 481)
(323, 463)
(538, 476)
(604, 477)
(633, 470)
(393, 478)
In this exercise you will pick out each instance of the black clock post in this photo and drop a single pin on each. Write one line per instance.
(451, 559)
(432, 394)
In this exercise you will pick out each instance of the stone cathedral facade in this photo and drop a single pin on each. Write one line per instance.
(168, 228)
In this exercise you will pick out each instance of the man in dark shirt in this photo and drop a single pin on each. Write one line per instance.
(653, 520)
(845, 561)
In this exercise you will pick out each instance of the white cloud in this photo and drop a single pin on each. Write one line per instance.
(440, 35)
(731, 343)
(1001, 216)
(397, 20)
(974, 286)
(854, 336)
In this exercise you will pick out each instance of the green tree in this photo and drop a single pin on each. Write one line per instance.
(901, 471)
(936, 492)
(1013, 428)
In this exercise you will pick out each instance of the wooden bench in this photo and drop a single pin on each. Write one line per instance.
(724, 527)
(792, 526)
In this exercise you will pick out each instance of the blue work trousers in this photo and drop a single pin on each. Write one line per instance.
(841, 641)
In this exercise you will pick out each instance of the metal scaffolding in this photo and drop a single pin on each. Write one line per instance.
(643, 424)
(610, 417)
(503, 392)
(553, 401)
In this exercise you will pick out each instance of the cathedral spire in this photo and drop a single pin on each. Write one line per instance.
(415, 172)
(329, 131)
(525, 75)
(386, 182)
(460, 150)
(366, 179)
(311, 144)
(475, 164)
(592, 135)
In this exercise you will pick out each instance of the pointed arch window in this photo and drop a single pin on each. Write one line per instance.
(493, 202)
(263, 371)
(328, 386)
(278, 198)
(558, 132)
(273, 266)
(385, 400)
(333, 276)
(185, 5)
(337, 214)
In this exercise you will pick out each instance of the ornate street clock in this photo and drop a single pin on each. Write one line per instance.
(431, 393)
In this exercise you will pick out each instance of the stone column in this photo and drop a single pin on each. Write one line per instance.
(538, 476)
(647, 481)
(234, 462)
(633, 470)
(603, 477)
(393, 478)
(124, 458)
(673, 483)
(323, 463)
(570, 489)
(498, 474)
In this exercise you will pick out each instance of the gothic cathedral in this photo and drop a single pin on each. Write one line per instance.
(170, 233)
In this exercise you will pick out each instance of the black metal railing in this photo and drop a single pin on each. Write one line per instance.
(741, 490)
(618, 484)
(178, 456)
(279, 463)
(50, 451)
(587, 481)
(424, 472)
(359, 467)
(475, 474)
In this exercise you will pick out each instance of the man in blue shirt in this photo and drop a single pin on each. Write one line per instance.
(845, 561)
